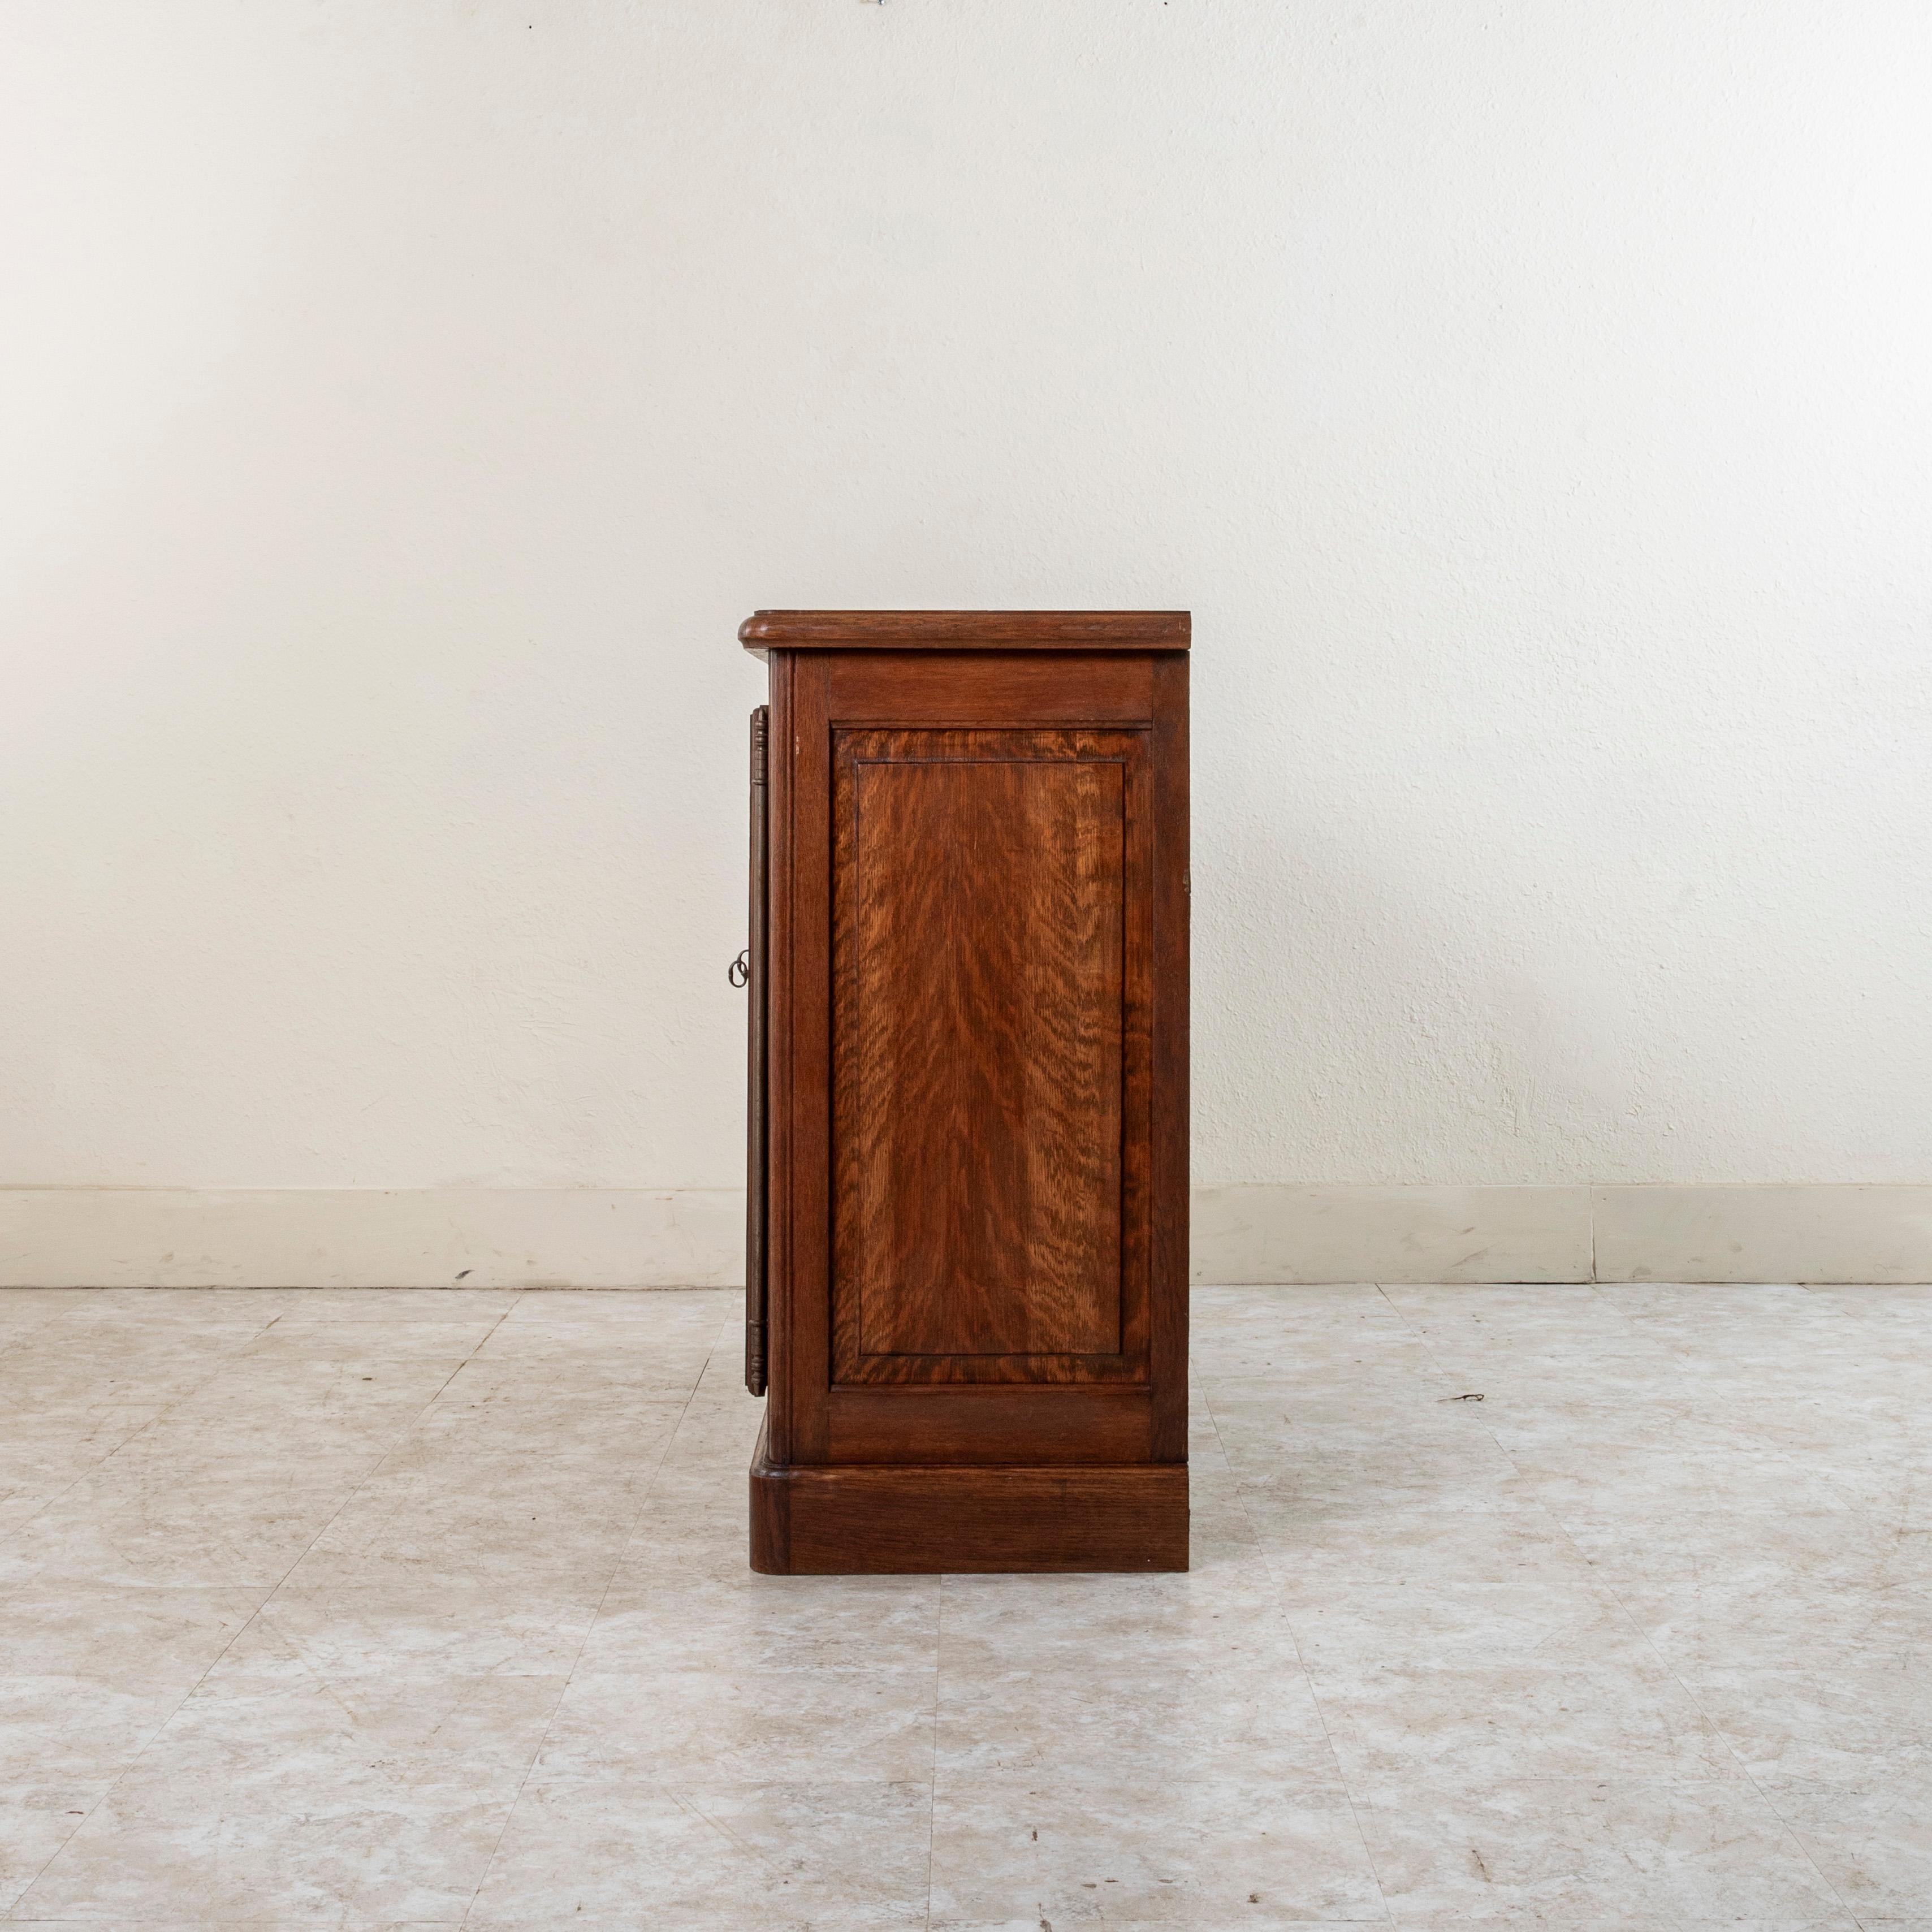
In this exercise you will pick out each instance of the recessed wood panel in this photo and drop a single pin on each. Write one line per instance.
(986, 944)
(981, 946)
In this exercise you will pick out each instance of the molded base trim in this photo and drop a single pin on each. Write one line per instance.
(854, 1521)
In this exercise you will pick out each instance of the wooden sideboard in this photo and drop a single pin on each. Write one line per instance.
(967, 1252)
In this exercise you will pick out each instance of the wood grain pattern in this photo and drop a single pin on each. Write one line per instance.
(757, 1351)
(1021, 690)
(848, 1430)
(980, 1007)
(784, 1153)
(1084, 1419)
(807, 1282)
(846, 1522)
(1168, 887)
(967, 630)
(986, 937)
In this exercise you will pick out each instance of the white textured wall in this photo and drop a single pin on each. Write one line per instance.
(403, 404)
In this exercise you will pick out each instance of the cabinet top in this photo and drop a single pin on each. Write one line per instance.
(966, 631)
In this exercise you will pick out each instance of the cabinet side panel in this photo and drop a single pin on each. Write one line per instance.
(990, 960)
(984, 977)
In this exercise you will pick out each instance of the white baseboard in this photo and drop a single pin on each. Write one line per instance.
(640, 1237)
(1312, 1233)
(372, 1237)
(1823, 1232)
(1820, 1233)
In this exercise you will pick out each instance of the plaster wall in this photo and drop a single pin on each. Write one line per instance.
(403, 404)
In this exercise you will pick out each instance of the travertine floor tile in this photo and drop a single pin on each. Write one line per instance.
(350, 1610)
(1858, 1723)
(341, 1839)
(832, 1624)
(1790, 1619)
(753, 1725)
(687, 1851)
(388, 1304)
(1593, 1852)
(1621, 1717)
(496, 1496)
(1538, 1619)
(1870, 1839)
(1096, 1849)
(228, 1520)
(425, 1630)
(373, 1792)
(329, 1339)
(45, 1451)
(89, 1675)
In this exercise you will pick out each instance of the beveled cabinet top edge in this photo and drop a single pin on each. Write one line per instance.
(966, 631)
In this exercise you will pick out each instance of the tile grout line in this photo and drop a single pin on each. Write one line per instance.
(165, 1408)
(932, 1781)
(1676, 1677)
(610, 1582)
(1307, 1675)
(1638, 1351)
(1564, 1529)
(1744, 1770)
(249, 1621)
(1623, 1609)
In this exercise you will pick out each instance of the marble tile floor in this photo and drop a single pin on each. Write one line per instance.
(428, 1608)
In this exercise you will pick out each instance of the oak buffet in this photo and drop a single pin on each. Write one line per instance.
(968, 1222)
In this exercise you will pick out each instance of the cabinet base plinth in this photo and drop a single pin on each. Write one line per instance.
(854, 1519)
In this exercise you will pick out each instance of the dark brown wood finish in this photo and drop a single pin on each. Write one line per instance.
(984, 690)
(1169, 1190)
(756, 1354)
(976, 1233)
(981, 950)
(843, 1522)
(964, 630)
(781, 1027)
(988, 1423)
